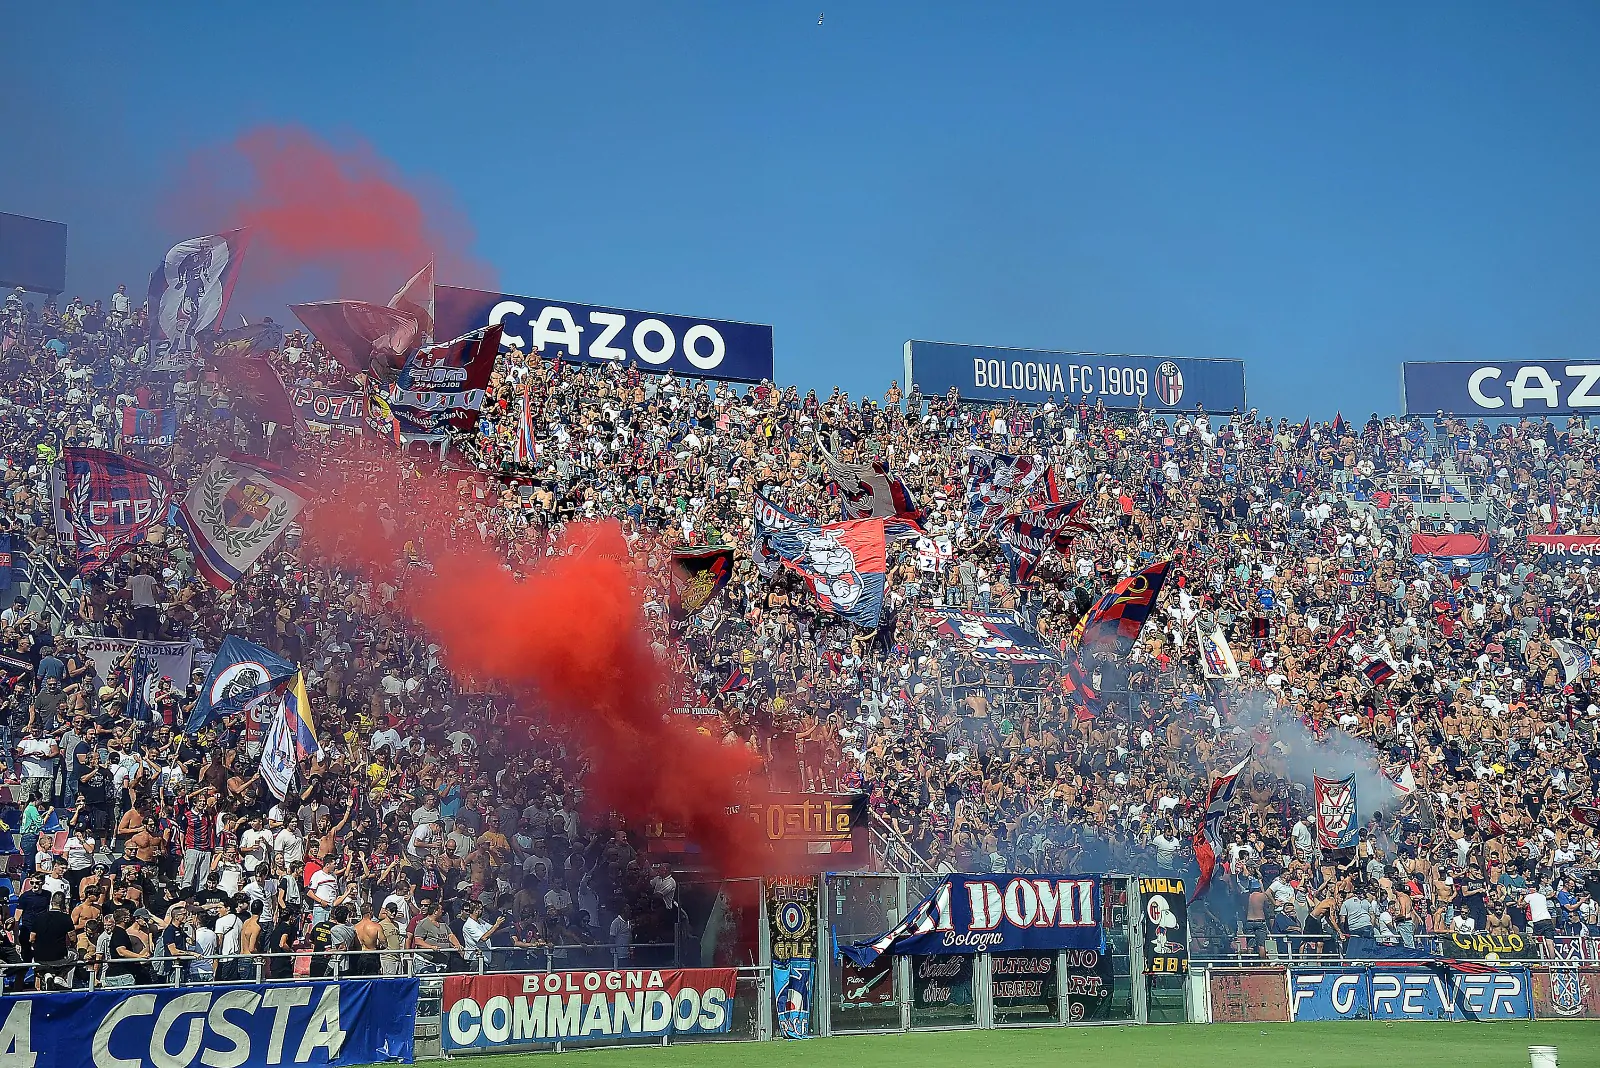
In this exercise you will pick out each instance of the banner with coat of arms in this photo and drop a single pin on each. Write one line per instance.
(105, 503)
(1337, 823)
(234, 514)
(698, 576)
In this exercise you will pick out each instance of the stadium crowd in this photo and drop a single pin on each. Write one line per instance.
(143, 849)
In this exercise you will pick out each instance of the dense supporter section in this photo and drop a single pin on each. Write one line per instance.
(1368, 603)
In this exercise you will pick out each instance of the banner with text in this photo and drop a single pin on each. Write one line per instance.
(1382, 993)
(1505, 388)
(356, 1021)
(1569, 551)
(994, 914)
(1033, 376)
(319, 407)
(489, 1011)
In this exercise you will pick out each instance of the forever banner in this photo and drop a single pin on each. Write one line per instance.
(490, 1011)
(352, 1022)
(994, 914)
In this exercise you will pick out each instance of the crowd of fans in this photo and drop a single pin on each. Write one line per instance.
(138, 848)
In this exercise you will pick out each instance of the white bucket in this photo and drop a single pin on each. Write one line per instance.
(1542, 1056)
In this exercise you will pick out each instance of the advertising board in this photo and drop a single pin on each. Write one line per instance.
(1503, 388)
(590, 333)
(1033, 376)
(33, 254)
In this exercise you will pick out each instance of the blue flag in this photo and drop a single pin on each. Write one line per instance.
(242, 676)
(791, 984)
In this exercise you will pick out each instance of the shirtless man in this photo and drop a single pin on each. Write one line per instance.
(369, 940)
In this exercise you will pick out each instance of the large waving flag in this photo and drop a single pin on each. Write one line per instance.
(234, 513)
(104, 503)
(1208, 837)
(251, 339)
(697, 576)
(844, 564)
(869, 490)
(769, 518)
(189, 295)
(1216, 655)
(358, 334)
(242, 676)
(1575, 659)
(1117, 618)
(278, 762)
(415, 298)
(256, 389)
(994, 481)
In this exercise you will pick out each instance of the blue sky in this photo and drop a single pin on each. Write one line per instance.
(1322, 191)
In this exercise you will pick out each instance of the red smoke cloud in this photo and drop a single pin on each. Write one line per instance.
(344, 209)
(571, 638)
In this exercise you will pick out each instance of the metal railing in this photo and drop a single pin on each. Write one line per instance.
(48, 587)
(300, 965)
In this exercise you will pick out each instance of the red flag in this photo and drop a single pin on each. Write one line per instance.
(355, 332)
(256, 388)
(416, 299)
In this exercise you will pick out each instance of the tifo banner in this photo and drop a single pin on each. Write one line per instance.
(815, 832)
(321, 407)
(149, 426)
(1503, 388)
(1566, 550)
(1023, 983)
(105, 502)
(992, 637)
(588, 333)
(1091, 981)
(792, 916)
(871, 986)
(487, 1011)
(1468, 551)
(356, 1021)
(1382, 993)
(791, 993)
(1567, 991)
(1248, 995)
(941, 980)
(1166, 927)
(234, 513)
(153, 660)
(1033, 376)
(994, 914)
(1338, 825)
(1486, 946)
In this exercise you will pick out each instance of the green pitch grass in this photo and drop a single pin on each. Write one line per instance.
(1307, 1045)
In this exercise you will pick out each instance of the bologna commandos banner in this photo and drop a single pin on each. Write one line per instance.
(487, 1011)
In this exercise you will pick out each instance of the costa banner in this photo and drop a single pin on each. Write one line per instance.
(493, 1011)
(992, 637)
(1338, 825)
(352, 1022)
(104, 503)
(1569, 551)
(1033, 376)
(319, 407)
(1502, 388)
(1166, 927)
(994, 914)
(1434, 993)
(588, 333)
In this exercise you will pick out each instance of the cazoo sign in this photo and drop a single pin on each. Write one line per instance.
(1502, 388)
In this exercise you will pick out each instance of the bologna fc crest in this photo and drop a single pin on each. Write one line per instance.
(1337, 825)
(1169, 384)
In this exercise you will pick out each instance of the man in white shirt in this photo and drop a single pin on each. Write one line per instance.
(38, 753)
(424, 841)
(475, 935)
(1540, 921)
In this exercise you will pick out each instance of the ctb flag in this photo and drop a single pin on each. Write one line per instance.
(189, 295)
(105, 502)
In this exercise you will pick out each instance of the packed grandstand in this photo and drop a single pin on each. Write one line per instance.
(1311, 611)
